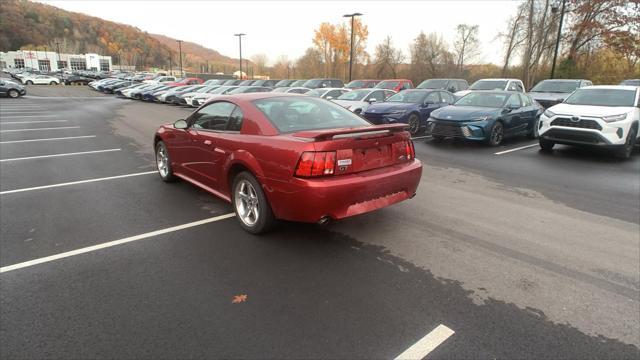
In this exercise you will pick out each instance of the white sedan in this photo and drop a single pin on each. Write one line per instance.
(40, 80)
(605, 116)
(357, 101)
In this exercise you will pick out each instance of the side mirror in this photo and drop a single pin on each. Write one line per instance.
(180, 124)
(371, 101)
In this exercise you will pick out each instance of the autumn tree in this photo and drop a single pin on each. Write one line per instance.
(310, 64)
(387, 59)
(332, 42)
(466, 45)
(429, 57)
(260, 63)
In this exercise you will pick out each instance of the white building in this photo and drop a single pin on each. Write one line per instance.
(52, 61)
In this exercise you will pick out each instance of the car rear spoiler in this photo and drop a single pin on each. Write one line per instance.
(363, 131)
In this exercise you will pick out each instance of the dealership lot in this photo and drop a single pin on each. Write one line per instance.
(504, 252)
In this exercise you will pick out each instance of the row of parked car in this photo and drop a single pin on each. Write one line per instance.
(563, 111)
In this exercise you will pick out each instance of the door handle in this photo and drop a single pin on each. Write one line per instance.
(207, 142)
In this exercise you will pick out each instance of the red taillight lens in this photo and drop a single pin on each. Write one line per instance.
(411, 151)
(316, 163)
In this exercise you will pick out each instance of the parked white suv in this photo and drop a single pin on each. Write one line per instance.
(605, 116)
(493, 84)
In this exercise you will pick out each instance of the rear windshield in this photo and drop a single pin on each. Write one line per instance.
(388, 85)
(433, 84)
(488, 85)
(602, 97)
(292, 114)
(554, 86)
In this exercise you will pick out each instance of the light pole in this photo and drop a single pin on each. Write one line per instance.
(240, 35)
(554, 8)
(352, 16)
(180, 50)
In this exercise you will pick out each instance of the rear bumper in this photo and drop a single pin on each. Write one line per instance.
(309, 200)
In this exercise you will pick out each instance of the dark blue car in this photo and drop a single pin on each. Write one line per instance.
(488, 116)
(411, 107)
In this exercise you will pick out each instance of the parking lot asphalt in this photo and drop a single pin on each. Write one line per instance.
(522, 255)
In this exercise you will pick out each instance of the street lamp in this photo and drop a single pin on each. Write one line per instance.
(240, 35)
(554, 9)
(352, 16)
(180, 51)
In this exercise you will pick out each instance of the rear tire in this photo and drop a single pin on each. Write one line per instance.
(53, 83)
(250, 204)
(29, 82)
(163, 163)
(13, 93)
(624, 152)
(546, 145)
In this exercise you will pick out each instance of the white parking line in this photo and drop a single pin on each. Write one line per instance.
(31, 122)
(76, 182)
(48, 139)
(25, 116)
(427, 344)
(112, 243)
(38, 129)
(516, 149)
(421, 137)
(58, 155)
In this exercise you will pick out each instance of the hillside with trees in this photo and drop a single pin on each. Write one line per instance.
(33, 26)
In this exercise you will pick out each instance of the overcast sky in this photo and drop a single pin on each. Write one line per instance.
(286, 27)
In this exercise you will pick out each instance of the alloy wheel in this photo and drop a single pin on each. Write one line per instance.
(496, 134)
(13, 93)
(247, 203)
(162, 160)
(414, 124)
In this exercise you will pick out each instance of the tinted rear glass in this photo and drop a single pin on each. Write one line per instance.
(292, 114)
(602, 97)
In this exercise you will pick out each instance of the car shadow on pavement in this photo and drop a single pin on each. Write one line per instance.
(495, 329)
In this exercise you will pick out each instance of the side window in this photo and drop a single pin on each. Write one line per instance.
(526, 100)
(235, 120)
(213, 117)
(514, 101)
(512, 86)
(334, 93)
(462, 85)
(446, 97)
(432, 98)
(519, 87)
(388, 93)
(378, 95)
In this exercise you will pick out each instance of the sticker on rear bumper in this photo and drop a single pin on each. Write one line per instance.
(344, 162)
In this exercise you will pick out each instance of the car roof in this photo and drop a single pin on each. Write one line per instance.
(614, 87)
(500, 79)
(395, 80)
(564, 80)
(258, 96)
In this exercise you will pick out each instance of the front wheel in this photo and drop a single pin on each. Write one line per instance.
(533, 133)
(13, 93)
(546, 145)
(163, 162)
(624, 152)
(496, 135)
(250, 204)
(53, 83)
(414, 124)
(29, 82)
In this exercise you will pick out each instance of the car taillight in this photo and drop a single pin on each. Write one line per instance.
(411, 151)
(318, 163)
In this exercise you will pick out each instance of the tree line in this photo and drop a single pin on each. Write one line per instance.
(600, 40)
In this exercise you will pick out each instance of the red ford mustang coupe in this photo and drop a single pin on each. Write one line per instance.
(290, 157)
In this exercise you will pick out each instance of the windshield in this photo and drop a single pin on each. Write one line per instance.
(316, 93)
(492, 100)
(282, 83)
(553, 86)
(602, 97)
(355, 95)
(488, 85)
(433, 84)
(291, 114)
(631, 82)
(298, 83)
(388, 85)
(355, 84)
(312, 83)
(413, 97)
(281, 89)
(205, 89)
